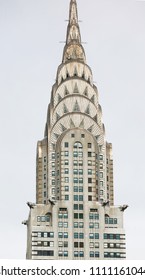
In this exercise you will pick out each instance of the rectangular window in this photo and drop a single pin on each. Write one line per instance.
(81, 207)
(81, 216)
(66, 162)
(60, 244)
(81, 180)
(65, 215)
(91, 225)
(89, 163)
(66, 153)
(44, 194)
(89, 171)
(75, 206)
(75, 154)
(76, 235)
(60, 224)
(53, 182)
(89, 180)
(44, 167)
(66, 197)
(66, 188)
(66, 171)
(75, 224)
(89, 198)
(96, 244)
(53, 156)
(91, 254)
(81, 254)
(45, 235)
(65, 244)
(51, 244)
(65, 225)
(106, 236)
(118, 236)
(101, 157)
(60, 215)
(76, 198)
(97, 254)
(89, 145)
(81, 244)
(65, 253)
(89, 189)
(75, 163)
(75, 215)
(101, 166)
(75, 171)
(81, 225)
(44, 159)
(76, 244)
(89, 154)
(105, 245)
(110, 220)
(72, 135)
(76, 253)
(60, 254)
(80, 154)
(101, 174)
(91, 245)
(60, 235)
(80, 197)
(65, 235)
(80, 163)
(81, 235)
(82, 135)
(66, 145)
(96, 235)
(66, 179)
(75, 189)
(75, 180)
(53, 173)
(96, 225)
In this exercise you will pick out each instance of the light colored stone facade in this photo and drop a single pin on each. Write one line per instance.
(74, 216)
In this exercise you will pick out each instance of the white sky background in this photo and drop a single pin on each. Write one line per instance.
(30, 52)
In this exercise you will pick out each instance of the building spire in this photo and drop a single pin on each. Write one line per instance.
(73, 31)
(73, 48)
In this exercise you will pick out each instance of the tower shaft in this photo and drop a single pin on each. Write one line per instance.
(74, 216)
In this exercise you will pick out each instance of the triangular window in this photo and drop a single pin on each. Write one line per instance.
(65, 110)
(87, 111)
(76, 89)
(57, 116)
(59, 97)
(86, 91)
(66, 91)
(93, 98)
(63, 127)
(76, 107)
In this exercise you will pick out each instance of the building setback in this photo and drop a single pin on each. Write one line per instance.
(74, 216)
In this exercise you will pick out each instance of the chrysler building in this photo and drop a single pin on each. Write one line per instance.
(74, 217)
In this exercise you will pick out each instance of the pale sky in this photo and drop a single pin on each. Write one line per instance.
(30, 52)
